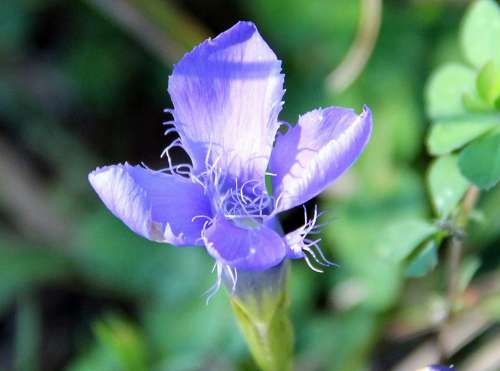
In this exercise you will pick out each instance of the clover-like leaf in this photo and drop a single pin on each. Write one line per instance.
(446, 88)
(401, 238)
(488, 82)
(480, 33)
(480, 161)
(447, 135)
(425, 261)
(446, 185)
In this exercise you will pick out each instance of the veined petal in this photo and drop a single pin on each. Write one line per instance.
(227, 95)
(252, 249)
(157, 206)
(312, 154)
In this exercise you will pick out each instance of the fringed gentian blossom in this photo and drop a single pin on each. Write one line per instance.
(227, 94)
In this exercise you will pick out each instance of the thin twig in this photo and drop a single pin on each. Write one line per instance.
(487, 357)
(361, 49)
(456, 244)
(455, 252)
(456, 334)
(23, 196)
(470, 200)
(134, 17)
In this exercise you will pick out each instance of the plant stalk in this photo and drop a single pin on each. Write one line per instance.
(260, 303)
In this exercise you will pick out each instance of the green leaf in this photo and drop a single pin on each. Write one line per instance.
(365, 219)
(480, 161)
(480, 33)
(446, 185)
(450, 134)
(424, 262)
(210, 329)
(474, 103)
(488, 82)
(124, 341)
(106, 248)
(402, 237)
(486, 230)
(119, 345)
(446, 88)
(351, 335)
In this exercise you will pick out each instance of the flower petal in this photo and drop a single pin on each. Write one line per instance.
(227, 95)
(252, 249)
(155, 205)
(312, 154)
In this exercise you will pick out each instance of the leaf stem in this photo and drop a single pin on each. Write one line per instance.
(455, 252)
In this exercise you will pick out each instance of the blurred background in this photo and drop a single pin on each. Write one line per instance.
(83, 84)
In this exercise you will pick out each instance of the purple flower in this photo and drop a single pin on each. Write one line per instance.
(227, 94)
(437, 368)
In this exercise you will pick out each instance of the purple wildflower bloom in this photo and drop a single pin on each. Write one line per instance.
(227, 94)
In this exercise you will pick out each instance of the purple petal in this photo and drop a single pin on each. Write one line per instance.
(227, 95)
(324, 144)
(252, 249)
(155, 205)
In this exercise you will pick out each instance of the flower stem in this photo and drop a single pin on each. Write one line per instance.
(260, 302)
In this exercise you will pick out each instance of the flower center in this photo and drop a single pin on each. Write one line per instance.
(247, 204)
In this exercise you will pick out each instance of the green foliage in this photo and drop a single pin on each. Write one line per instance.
(119, 346)
(25, 267)
(185, 336)
(480, 161)
(424, 261)
(446, 185)
(480, 33)
(401, 238)
(349, 335)
(445, 91)
(362, 227)
(488, 83)
(487, 227)
(463, 101)
(451, 134)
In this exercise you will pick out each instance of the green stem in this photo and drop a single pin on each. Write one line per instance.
(260, 303)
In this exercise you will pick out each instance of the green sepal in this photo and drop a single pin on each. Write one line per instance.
(260, 302)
